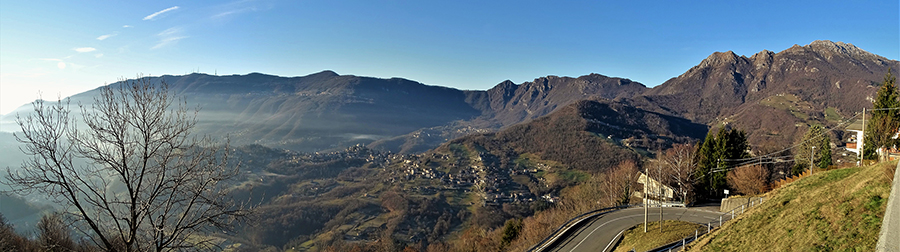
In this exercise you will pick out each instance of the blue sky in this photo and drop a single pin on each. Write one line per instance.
(60, 48)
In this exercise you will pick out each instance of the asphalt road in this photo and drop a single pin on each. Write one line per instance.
(597, 234)
(890, 226)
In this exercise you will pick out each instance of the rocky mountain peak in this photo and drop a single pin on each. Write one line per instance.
(764, 54)
(762, 59)
(829, 49)
(505, 84)
(719, 58)
(505, 90)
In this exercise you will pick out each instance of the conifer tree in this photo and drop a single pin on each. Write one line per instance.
(825, 151)
(716, 153)
(706, 162)
(816, 136)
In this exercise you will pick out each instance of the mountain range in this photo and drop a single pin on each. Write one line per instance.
(772, 95)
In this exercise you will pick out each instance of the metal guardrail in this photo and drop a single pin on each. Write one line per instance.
(709, 226)
(574, 222)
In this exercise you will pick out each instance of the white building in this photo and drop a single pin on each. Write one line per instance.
(854, 142)
(655, 191)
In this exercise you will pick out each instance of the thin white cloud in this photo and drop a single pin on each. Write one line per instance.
(106, 36)
(169, 32)
(85, 49)
(51, 59)
(240, 6)
(152, 16)
(127, 26)
(167, 41)
(227, 13)
(168, 37)
(99, 55)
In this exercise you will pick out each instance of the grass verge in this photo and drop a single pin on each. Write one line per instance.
(837, 210)
(672, 230)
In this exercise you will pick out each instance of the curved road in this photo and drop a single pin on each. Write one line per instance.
(597, 234)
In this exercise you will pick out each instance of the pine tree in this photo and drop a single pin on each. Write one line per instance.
(817, 137)
(706, 162)
(824, 151)
(716, 152)
(717, 180)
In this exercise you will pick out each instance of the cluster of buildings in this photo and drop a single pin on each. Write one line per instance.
(481, 174)
(493, 184)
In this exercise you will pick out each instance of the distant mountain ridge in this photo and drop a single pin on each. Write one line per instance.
(588, 135)
(325, 110)
(508, 103)
(771, 94)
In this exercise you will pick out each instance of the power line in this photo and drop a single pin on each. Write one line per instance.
(758, 159)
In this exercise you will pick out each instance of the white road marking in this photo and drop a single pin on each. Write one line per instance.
(682, 214)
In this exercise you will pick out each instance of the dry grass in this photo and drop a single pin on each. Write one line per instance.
(837, 210)
(889, 172)
(636, 239)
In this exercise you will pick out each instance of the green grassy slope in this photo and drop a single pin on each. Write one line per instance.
(837, 210)
(635, 238)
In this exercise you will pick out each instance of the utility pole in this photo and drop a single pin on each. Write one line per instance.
(659, 190)
(718, 167)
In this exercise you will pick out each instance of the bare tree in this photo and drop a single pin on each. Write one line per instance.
(621, 183)
(53, 235)
(680, 164)
(10, 241)
(749, 179)
(130, 176)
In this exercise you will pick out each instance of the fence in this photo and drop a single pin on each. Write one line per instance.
(727, 216)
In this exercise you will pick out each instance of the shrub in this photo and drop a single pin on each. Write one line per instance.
(749, 180)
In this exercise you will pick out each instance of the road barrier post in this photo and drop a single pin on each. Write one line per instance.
(742, 209)
(720, 220)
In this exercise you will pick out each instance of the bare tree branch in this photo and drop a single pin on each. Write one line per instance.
(147, 183)
(680, 164)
